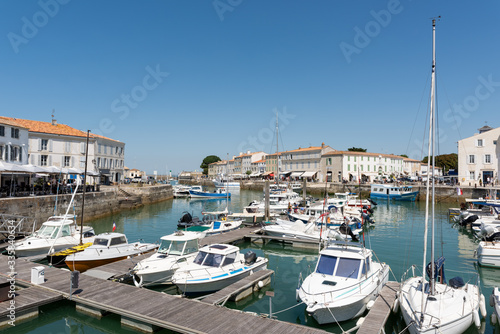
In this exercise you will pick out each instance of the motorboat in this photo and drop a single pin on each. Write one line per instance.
(215, 267)
(495, 303)
(249, 215)
(57, 259)
(346, 279)
(107, 248)
(488, 250)
(279, 202)
(352, 200)
(176, 251)
(188, 220)
(307, 231)
(55, 234)
(219, 193)
(435, 305)
(216, 227)
(182, 191)
(393, 192)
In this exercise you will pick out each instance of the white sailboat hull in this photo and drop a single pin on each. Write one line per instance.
(450, 310)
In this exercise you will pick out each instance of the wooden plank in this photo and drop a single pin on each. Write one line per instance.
(375, 320)
(28, 298)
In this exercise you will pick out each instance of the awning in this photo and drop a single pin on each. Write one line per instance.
(296, 174)
(308, 174)
(267, 173)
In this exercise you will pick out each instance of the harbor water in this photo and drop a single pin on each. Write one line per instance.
(396, 238)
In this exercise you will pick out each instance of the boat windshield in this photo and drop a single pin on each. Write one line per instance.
(171, 247)
(208, 259)
(100, 242)
(326, 264)
(48, 231)
(348, 268)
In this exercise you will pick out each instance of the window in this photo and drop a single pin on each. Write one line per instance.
(43, 160)
(2, 130)
(472, 159)
(472, 175)
(487, 159)
(1, 152)
(44, 144)
(66, 161)
(355, 168)
(494, 142)
(348, 268)
(99, 148)
(14, 133)
(67, 147)
(366, 267)
(118, 241)
(326, 264)
(82, 162)
(479, 143)
(229, 259)
(348, 168)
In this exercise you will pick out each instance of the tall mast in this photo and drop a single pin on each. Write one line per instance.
(84, 186)
(277, 152)
(433, 127)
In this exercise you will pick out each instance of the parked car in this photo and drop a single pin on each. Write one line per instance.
(136, 179)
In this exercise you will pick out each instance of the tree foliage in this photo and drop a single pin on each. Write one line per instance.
(403, 155)
(356, 149)
(207, 161)
(446, 161)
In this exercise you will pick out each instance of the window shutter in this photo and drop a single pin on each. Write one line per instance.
(39, 144)
(62, 161)
(50, 161)
(39, 160)
(50, 145)
(82, 147)
(20, 155)
(72, 162)
(32, 159)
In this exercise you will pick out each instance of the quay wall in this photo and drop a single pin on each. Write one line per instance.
(97, 204)
(444, 193)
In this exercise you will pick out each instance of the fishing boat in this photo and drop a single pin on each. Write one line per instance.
(55, 234)
(345, 281)
(219, 193)
(393, 192)
(107, 248)
(215, 267)
(176, 251)
(437, 306)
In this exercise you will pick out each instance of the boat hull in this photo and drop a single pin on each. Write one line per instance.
(488, 254)
(85, 265)
(200, 194)
(397, 197)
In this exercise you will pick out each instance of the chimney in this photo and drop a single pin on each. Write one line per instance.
(323, 145)
(248, 152)
(54, 121)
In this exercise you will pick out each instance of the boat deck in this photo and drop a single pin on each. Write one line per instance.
(155, 308)
(380, 311)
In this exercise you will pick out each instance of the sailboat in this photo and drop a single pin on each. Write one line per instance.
(435, 306)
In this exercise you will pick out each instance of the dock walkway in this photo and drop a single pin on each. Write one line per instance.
(223, 295)
(380, 311)
(154, 308)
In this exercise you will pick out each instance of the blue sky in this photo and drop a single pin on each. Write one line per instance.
(180, 80)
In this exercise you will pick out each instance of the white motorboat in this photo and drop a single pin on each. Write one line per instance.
(306, 231)
(344, 281)
(437, 306)
(279, 202)
(176, 251)
(488, 250)
(57, 233)
(215, 267)
(182, 191)
(107, 248)
(495, 303)
(215, 222)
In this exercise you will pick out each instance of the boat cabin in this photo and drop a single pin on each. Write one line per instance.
(217, 255)
(54, 228)
(345, 264)
(110, 239)
(179, 243)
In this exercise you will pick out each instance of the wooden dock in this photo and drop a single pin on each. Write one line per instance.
(26, 304)
(231, 236)
(153, 308)
(377, 316)
(246, 284)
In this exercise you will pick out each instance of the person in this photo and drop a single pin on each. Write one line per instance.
(289, 207)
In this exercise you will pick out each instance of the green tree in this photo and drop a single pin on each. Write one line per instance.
(207, 161)
(446, 161)
(403, 155)
(356, 149)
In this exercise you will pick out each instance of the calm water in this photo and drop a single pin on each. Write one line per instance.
(396, 238)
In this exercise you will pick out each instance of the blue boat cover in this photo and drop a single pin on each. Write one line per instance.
(438, 270)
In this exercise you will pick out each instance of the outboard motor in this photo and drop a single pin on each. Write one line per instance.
(344, 229)
(185, 219)
(469, 220)
(492, 237)
(250, 258)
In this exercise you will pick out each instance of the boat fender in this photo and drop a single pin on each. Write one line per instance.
(297, 295)
(370, 304)
(482, 306)
(360, 321)
(494, 319)
(395, 306)
(260, 284)
(477, 320)
(492, 300)
(138, 284)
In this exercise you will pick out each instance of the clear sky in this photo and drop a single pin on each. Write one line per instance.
(180, 80)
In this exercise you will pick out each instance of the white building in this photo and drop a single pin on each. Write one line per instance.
(478, 157)
(59, 145)
(243, 163)
(13, 141)
(412, 168)
(350, 166)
